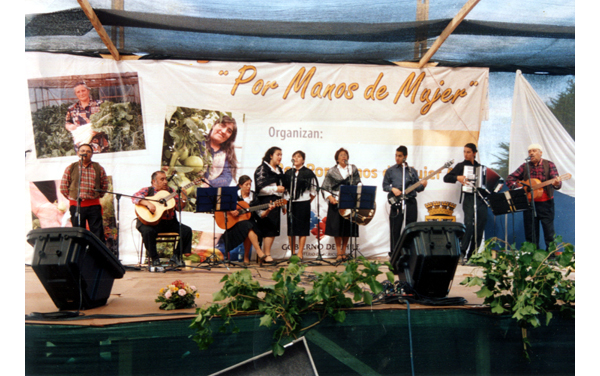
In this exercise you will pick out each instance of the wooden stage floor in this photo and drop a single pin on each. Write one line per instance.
(132, 297)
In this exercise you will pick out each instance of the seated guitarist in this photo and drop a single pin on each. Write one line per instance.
(396, 179)
(168, 222)
(542, 170)
(246, 231)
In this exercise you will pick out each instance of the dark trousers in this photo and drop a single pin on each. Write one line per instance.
(467, 243)
(90, 215)
(149, 234)
(545, 217)
(397, 218)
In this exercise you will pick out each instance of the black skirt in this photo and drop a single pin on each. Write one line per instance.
(298, 219)
(237, 234)
(270, 225)
(336, 225)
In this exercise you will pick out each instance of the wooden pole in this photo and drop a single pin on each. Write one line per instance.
(448, 30)
(89, 12)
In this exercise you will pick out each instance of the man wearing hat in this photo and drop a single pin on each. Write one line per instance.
(542, 170)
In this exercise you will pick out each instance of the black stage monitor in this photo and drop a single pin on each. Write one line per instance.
(427, 256)
(75, 267)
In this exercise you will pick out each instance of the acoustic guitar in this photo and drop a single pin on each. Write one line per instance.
(226, 220)
(163, 201)
(537, 186)
(393, 199)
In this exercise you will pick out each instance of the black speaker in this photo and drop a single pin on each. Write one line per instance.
(427, 255)
(75, 267)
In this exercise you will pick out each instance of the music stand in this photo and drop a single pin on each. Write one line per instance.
(355, 198)
(506, 202)
(217, 199)
(509, 202)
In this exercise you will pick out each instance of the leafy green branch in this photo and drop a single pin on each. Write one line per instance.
(525, 282)
(284, 303)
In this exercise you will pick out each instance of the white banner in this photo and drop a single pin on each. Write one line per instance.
(316, 108)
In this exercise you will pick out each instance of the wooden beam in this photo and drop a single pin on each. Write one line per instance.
(448, 30)
(121, 57)
(91, 15)
(413, 64)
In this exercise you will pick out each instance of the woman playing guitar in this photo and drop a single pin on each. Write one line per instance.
(245, 230)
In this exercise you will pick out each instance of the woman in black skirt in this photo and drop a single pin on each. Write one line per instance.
(301, 183)
(246, 230)
(337, 226)
(268, 179)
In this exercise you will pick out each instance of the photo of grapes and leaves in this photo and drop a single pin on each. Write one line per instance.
(185, 153)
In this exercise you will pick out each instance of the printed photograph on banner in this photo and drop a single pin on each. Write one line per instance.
(102, 110)
(50, 208)
(199, 150)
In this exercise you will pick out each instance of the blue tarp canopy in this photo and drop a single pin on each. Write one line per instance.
(503, 35)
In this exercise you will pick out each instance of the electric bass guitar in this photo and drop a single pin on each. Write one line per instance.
(226, 220)
(394, 200)
(537, 186)
(163, 201)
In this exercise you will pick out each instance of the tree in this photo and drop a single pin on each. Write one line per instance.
(501, 163)
(563, 108)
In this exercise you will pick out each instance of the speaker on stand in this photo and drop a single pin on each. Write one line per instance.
(75, 267)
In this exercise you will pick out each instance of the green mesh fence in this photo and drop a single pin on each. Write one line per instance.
(432, 342)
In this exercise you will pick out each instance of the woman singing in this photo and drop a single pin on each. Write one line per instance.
(301, 183)
(268, 179)
(337, 226)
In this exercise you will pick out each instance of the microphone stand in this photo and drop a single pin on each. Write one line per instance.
(404, 198)
(532, 202)
(293, 183)
(117, 219)
(319, 260)
(78, 209)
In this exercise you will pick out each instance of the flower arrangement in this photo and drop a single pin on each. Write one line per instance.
(177, 295)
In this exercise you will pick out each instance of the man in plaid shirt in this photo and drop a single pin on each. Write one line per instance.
(93, 177)
(543, 170)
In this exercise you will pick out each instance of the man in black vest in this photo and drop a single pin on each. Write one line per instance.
(84, 199)
(542, 170)
(168, 221)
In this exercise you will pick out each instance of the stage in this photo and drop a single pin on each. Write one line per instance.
(131, 335)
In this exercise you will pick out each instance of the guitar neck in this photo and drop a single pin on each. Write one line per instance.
(548, 182)
(417, 184)
(255, 208)
(189, 185)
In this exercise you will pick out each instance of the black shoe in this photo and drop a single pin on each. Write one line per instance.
(156, 262)
(176, 261)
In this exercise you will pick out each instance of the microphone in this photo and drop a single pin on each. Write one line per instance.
(292, 161)
(528, 159)
(170, 178)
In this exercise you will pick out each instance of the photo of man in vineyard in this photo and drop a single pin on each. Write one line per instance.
(78, 120)
(102, 110)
